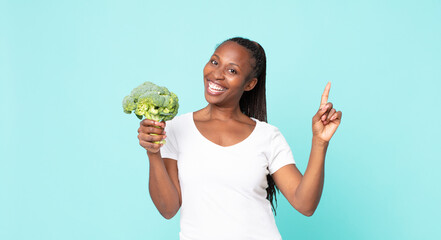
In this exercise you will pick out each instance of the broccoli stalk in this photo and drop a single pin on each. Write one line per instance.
(152, 102)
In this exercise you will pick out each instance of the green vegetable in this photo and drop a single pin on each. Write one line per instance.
(152, 102)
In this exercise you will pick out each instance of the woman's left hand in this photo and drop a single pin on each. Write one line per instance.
(325, 122)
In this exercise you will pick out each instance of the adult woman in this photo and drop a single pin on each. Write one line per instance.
(220, 163)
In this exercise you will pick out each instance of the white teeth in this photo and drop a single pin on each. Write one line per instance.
(216, 87)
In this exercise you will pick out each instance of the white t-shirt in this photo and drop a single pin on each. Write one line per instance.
(224, 188)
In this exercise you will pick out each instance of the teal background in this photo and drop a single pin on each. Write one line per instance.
(71, 165)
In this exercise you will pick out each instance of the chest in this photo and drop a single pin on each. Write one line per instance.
(242, 167)
(224, 134)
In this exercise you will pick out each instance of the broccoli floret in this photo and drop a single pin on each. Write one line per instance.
(152, 102)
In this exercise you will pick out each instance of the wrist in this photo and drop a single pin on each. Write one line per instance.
(153, 154)
(319, 142)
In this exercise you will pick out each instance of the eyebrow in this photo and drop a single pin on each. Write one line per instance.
(229, 63)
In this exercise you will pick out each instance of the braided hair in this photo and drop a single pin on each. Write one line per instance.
(253, 102)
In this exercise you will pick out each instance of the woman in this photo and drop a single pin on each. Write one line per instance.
(221, 164)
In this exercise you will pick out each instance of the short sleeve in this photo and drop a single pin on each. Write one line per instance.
(281, 153)
(170, 149)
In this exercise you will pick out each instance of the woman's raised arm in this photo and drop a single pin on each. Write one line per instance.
(163, 177)
(304, 192)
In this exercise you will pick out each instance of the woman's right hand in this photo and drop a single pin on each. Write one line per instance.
(146, 140)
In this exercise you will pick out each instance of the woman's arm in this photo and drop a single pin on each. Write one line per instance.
(163, 177)
(162, 188)
(304, 192)
(309, 191)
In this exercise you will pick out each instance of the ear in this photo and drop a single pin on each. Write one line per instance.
(250, 84)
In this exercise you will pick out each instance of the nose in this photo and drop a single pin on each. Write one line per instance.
(218, 73)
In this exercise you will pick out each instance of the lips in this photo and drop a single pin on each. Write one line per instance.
(215, 89)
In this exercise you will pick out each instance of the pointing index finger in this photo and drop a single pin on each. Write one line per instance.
(325, 95)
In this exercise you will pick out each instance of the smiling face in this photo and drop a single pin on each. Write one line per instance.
(228, 74)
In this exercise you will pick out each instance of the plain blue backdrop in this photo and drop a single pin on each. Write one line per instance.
(71, 166)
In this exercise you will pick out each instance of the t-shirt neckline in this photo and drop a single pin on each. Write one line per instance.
(220, 146)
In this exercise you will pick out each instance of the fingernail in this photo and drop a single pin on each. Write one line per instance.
(163, 137)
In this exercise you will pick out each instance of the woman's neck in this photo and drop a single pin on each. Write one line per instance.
(212, 111)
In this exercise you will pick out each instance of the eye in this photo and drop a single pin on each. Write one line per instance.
(214, 62)
(232, 71)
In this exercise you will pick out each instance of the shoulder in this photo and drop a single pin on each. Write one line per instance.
(180, 119)
(178, 123)
(267, 128)
(270, 134)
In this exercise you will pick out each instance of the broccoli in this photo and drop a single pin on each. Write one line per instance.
(152, 101)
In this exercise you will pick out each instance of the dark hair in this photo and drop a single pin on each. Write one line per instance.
(253, 102)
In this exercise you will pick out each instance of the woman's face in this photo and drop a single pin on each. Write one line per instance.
(228, 74)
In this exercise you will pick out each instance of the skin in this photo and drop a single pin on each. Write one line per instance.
(222, 122)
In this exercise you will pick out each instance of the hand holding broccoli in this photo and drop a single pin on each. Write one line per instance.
(152, 102)
(150, 134)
